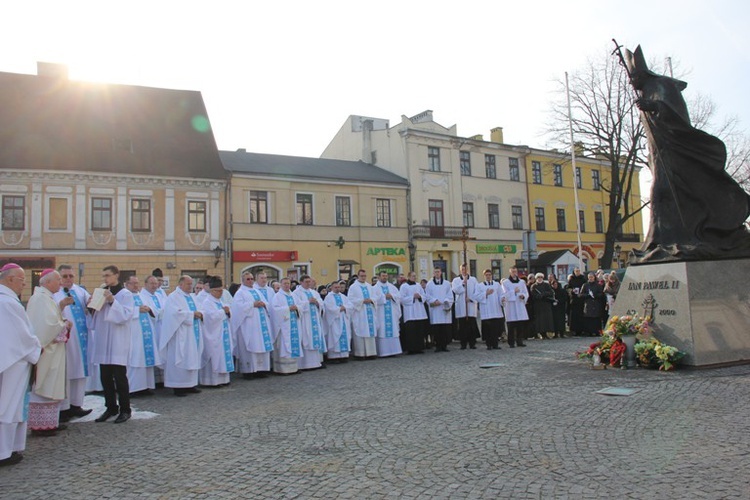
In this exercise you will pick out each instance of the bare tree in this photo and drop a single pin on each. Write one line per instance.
(607, 126)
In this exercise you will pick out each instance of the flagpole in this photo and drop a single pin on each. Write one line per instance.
(575, 177)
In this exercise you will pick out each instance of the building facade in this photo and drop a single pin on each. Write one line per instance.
(456, 183)
(503, 194)
(292, 216)
(555, 218)
(93, 175)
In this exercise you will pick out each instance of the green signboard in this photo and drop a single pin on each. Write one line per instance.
(493, 248)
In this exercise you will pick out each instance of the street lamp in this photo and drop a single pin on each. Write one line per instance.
(618, 249)
(217, 253)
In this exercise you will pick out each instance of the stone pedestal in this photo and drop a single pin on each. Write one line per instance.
(701, 308)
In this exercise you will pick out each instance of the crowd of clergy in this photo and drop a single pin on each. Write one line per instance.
(127, 336)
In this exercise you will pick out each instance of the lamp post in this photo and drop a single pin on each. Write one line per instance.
(618, 249)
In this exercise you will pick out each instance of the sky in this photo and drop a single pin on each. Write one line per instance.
(282, 77)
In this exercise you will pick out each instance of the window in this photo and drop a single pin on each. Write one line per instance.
(304, 209)
(539, 216)
(515, 172)
(582, 221)
(468, 214)
(536, 171)
(598, 222)
(578, 178)
(561, 220)
(473, 267)
(493, 213)
(58, 214)
(595, 180)
(489, 167)
(383, 212)
(464, 161)
(558, 174)
(433, 159)
(436, 213)
(197, 216)
(13, 213)
(517, 216)
(140, 215)
(101, 214)
(343, 211)
(259, 207)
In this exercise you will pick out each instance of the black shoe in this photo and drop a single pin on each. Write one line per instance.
(193, 390)
(105, 416)
(489, 347)
(78, 412)
(472, 347)
(122, 418)
(179, 392)
(13, 459)
(521, 345)
(66, 415)
(248, 376)
(463, 348)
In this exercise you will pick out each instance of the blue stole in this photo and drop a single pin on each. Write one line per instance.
(264, 292)
(196, 321)
(388, 314)
(228, 359)
(293, 328)
(79, 316)
(369, 309)
(148, 334)
(156, 301)
(263, 323)
(315, 323)
(344, 338)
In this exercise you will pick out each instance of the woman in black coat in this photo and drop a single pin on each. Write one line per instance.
(559, 305)
(592, 294)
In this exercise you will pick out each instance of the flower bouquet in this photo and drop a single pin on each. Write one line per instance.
(651, 354)
(619, 326)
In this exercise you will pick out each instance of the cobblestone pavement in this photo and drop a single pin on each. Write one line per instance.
(429, 426)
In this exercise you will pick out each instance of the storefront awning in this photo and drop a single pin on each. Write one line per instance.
(346, 262)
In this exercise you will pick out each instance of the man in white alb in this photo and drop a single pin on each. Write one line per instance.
(490, 295)
(464, 287)
(389, 316)
(252, 329)
(338, 308)
(72, 299)
(440, 299)
(181, 345)
(365, 317)
(311, 321)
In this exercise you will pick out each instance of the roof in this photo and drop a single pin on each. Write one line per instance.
(550, 257)
(242, 162)
(53, 123)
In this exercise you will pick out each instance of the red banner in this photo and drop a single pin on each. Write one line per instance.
(264, 256)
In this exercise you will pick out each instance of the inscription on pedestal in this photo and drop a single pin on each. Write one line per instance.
(689, 310)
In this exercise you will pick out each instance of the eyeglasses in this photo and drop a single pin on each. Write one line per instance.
(248, 278)
(67, 276)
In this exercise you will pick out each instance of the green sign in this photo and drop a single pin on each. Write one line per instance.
(491, 248)
(386, 251)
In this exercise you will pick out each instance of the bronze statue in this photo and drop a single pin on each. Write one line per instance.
(698, 211)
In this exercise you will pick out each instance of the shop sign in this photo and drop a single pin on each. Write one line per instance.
(386, 251)
(264, 256)
(493, 248)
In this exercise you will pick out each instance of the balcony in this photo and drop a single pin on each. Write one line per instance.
(437, 232)
(629, 237)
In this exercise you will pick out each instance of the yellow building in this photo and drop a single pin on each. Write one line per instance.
(291, 216)
(94, 174)
(553, 211)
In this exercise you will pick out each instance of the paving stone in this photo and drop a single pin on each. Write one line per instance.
(430, 426)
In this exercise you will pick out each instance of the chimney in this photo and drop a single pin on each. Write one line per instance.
(496, 135)
(477, 137)
(52, 70)
(367, 126)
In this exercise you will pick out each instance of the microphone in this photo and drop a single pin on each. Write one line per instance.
(66, 291)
